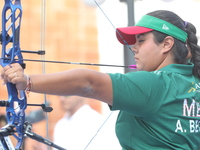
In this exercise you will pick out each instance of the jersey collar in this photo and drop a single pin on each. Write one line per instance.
(179, 68)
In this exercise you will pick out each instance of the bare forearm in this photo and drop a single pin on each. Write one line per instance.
(74, 82)
(71, 82)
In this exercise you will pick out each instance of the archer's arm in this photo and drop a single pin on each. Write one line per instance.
(80, 82)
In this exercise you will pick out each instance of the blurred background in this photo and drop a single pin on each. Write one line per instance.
(78, 31)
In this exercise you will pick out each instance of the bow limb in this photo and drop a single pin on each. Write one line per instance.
(16, 103)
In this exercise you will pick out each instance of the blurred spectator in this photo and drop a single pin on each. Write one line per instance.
(78, 126)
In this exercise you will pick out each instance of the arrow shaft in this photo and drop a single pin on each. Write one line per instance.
(77, 63)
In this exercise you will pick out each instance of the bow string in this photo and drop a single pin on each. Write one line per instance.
(130, 67)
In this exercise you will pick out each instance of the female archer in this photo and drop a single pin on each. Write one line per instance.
(159, 104)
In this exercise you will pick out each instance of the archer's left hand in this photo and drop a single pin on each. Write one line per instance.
(14, 73)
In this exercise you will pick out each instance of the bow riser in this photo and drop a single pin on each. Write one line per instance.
(11, 21)
(15, 111)
(17, 103)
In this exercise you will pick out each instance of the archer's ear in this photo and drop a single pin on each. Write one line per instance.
(168, 43)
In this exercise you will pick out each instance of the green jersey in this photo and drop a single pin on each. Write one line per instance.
(159, 110)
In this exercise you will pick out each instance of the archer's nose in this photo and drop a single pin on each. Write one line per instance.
(134, 49)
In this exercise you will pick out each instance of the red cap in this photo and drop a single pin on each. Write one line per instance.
(126, 35)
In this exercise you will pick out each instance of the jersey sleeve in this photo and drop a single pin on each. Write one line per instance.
(139, 93)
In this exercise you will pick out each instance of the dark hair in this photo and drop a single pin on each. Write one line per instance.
(180, 49)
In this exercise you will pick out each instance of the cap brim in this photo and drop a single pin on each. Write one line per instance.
(126, 35)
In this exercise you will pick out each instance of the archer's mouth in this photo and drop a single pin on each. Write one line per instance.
(136, 59)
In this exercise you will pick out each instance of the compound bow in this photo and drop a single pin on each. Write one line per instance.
(11, 20)
(17, 101)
